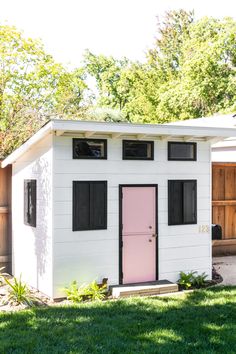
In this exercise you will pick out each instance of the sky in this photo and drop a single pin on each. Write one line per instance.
(111, 27)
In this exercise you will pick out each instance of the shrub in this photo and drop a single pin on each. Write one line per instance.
(200, 280)
(186, 280)
(19, 292)
(95, 291)
(74, 293)
(189, 280)
(92, 291)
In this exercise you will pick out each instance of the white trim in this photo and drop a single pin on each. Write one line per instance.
(90, 128)
(88, 134)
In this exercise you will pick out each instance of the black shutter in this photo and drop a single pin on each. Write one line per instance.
(98, 211)
(26, 202)
(30, 200)
(32, 206)
(189, 202)
(175, 202)
(81, 205)
(89, 205)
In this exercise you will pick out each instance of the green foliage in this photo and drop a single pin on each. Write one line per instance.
(92, 291)
(33, 87)
(19, 292)
(192, 279)
(186, 280)
(96, 292)
(74, 293)
(189, 72)
(1, 275)
(106, 114)
(199, 281)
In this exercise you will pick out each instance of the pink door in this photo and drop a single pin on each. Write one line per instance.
(139, 234)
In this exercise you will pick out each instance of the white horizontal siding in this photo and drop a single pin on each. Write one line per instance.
(173, 168)
(88, 255)
(65, 180)
(32, 247)
(186, 264)
(182, 241)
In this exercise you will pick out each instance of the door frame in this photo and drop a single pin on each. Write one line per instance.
(121, 186)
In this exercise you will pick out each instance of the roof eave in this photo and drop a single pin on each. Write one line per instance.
(115, 130)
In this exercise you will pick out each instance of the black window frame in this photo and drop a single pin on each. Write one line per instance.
(75, 212)
(124, 157)
(181, 207)
(182, 143)
(76, 157)
(30, 202)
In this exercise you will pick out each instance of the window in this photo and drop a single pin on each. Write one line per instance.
(30, 202)
(138, 150)
(89, 149)
(89, 205)
(182, 202)
(178, 151)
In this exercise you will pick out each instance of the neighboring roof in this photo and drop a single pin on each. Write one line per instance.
(122, 130)
(217, 121)
(222, 121)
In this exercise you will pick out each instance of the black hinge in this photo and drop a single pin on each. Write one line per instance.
(121, 243)
(121, 275)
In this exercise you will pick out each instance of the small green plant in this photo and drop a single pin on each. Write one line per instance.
(74, 293)
(92, 291)
(186, 280)
(189, 280)
(1, 275)
(95, 291)
(200, 280)
(19, 292)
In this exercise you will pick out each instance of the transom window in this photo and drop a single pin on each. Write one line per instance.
(30, 202)
(89, 149)
(182, 202)
(138, 150)
(182, 151)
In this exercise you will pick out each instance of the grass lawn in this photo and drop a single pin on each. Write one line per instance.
(201, 322)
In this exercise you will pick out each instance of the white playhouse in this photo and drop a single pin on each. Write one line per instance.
(127, 202)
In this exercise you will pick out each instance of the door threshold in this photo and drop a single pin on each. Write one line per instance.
(155, 282)
(143, 289)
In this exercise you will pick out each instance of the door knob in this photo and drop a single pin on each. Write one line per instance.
(154, 235)
(150, 227)
(150, 240)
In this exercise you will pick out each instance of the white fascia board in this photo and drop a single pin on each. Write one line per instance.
(27, 145)
(147, 129)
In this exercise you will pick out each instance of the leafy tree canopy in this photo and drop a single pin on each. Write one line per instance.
(33, 87)
(189, 72)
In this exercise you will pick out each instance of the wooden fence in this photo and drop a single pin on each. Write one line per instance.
(5, 218)
(224, 206)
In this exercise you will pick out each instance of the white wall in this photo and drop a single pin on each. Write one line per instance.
(89, 255)
(224, 154)
(32, 247)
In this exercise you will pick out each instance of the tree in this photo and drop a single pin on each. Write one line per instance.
(112, 85)
(189, 72)
(32, 88)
